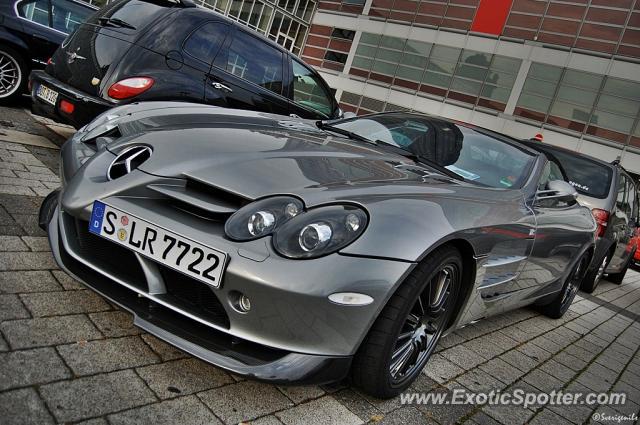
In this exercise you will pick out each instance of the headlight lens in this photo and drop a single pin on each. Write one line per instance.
(262, 217)
(320, 231)
(298, 233)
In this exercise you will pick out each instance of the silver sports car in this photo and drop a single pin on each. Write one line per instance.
(300, 252)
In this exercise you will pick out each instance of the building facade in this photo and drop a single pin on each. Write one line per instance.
(567, 69)
(284, 21)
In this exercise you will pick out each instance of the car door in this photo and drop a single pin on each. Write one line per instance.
(42, 39)
(310, 97)
(200, 48)
(562, 229)
(247, 73)
(623, 218)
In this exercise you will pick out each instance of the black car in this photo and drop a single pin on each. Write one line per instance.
(611, 194)
(30, 32)
(135, 50)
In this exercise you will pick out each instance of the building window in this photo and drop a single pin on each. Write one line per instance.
(465, 75)
(354, 2)
(332, 56)
(343, 34)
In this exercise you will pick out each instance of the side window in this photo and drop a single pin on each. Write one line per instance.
(66, 16)
(631, 199)
(545, 178)
(253, 60)
(205, 42)
(555, 172)
(308, 91)
(622, 193)
(35, 10)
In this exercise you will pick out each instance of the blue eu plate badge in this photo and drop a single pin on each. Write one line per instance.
(95, 224)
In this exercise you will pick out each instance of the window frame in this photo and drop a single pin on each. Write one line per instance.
(323, 85)
(222, 43)
(226, 45)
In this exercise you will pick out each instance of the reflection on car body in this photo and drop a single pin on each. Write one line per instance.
(351, 245)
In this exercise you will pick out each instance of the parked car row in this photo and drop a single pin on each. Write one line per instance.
(216, 191)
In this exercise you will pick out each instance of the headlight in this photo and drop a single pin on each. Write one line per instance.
(262, 217)
(320, 231)
(298, 233)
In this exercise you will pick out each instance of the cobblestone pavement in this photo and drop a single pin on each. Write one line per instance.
(68, 356)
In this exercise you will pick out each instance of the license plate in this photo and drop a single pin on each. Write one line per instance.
(46, 94)
(175, 251)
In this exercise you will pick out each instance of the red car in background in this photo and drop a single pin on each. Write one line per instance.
(636, 256)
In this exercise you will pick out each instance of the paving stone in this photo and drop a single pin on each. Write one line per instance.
(184, 410)
(298, 394)
(12, 243)
(441, 369)
(12, 166)
(477, 380)
(98, 356)
(95, 421)
(445, 413)
(67, 282)
(325, 410)
(182, 377)
(502, 370)
(23, 406)
(62, 303)
(28, 367)
(357, 404)
(115, 323)
(558, 370)
(96, 395)
(11, 230)
(29, 281)
(12, 308)
(508, 415)
(16, 190)
(267, 420)
(244, 401)
(26, 261)
(546, 417)
(19, 204)
(543, 381)
(481, 418)
(19, 182)
(570, 361)
(41, 177)
(37, 243)
(519, 360)
(462, 356)
(29, 222)
(39, 332)
(3, 344)
(166, 351)
(406, 416)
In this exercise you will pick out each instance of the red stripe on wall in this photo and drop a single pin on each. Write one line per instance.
(491, 16)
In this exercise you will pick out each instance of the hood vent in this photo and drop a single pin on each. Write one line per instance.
(128, 160)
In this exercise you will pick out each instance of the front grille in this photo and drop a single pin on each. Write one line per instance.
(109, 255)
(194, 297)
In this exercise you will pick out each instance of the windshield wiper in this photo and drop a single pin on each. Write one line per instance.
(350, 134)
(115, 22)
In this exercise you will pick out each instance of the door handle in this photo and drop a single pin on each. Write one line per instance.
(219, 86)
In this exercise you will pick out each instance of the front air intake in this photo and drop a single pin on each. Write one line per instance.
(127, 161)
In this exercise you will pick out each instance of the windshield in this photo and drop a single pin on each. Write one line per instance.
(474, 156)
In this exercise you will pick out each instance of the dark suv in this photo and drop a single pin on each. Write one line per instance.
(139, 50)
(611, 194)
(30, 31)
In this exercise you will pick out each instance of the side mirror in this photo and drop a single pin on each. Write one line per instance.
(558, 190)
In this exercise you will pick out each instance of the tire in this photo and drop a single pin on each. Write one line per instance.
(556, 308)
(594, 276)
(617, 278)
(435, 282)
(13, 76)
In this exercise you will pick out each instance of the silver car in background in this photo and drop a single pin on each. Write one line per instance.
(300, 252)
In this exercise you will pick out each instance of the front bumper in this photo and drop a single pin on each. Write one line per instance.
(293, 333)
(86, 107)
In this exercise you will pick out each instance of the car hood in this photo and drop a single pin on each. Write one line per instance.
(268, 155)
